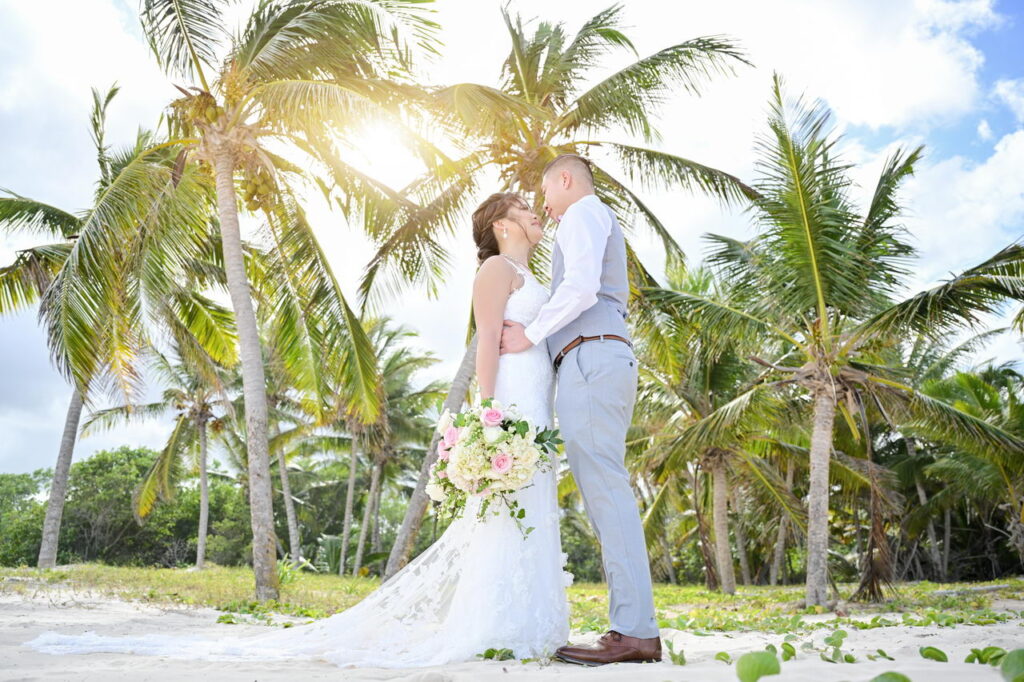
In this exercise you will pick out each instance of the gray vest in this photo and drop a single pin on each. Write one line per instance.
(608, 315)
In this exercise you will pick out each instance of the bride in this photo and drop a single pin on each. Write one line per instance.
(482, 584)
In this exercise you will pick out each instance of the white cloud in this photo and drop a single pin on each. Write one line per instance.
(65, 48)
(984, 130)
(963, 211)
(958, 14)
(1011, 92)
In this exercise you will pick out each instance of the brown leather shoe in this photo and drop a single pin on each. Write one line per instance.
(613, 647)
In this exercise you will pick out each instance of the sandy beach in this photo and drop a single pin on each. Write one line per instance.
(24, 616)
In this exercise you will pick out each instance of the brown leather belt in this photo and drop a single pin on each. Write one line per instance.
(581, 339)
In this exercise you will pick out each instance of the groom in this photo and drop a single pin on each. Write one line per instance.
(583, 325)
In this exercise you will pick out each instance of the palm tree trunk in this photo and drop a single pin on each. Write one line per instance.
(704, 537)
(59, 485)
(294, 539)
(367, 511)
(933, 538)
(347, 524)
(947, 518)
(720, 500)
(204, 497)
(933, 542)
(741, 538)
(254, 384)
(670, 569)
(418, 501)
(375, 533)
(817, 507)
(780, 540)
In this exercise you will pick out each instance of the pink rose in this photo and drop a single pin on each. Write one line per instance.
(442, 452)
(451, 436)
(491, 417)
(442, 474)
(501, 463)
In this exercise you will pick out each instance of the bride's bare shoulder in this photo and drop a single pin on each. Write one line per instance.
(496, 278)
(495, 269)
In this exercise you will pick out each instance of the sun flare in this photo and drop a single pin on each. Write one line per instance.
(378, 150)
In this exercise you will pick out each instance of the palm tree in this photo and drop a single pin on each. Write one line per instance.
(195, 403)
(93, 326)
(22, 283)
(399, 426)
(989, 478)
(928, 362)
(685, 377)
(285, 407)
(294, 71)
(402, 425)
(537, 112)
(819, 281)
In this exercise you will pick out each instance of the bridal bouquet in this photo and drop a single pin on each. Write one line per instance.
(488, 452)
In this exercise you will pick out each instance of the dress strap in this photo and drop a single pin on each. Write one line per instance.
(518, 267)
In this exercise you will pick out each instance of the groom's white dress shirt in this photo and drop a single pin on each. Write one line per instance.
(582, 236)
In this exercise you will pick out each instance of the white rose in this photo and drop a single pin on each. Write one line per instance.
(492, 433)
(435, 492)
(446, 421)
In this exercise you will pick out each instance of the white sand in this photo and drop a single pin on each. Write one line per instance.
(23, 617)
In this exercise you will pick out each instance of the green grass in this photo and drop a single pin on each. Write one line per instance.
(688, 607)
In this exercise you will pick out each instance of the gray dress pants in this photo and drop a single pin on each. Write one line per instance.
(597, 384)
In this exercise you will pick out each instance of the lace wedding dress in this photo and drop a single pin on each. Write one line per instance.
(480, 585)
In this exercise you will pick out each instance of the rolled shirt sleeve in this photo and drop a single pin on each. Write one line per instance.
(582, 235)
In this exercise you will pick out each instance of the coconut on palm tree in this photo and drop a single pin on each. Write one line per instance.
(821, 280)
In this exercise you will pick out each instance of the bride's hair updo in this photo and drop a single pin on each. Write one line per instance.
(493, 208)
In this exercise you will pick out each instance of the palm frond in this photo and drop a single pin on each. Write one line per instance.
(24, 215)
(724, 428)
(24, 281)
(98, 122)
(158, 483)
(803, 202)
(185, 35)
(654, 169)
(959, 302)
(627, 97)
(941, 421)
(720, 321)
(122, 415)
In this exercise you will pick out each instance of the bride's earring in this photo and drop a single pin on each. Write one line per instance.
(504, 234)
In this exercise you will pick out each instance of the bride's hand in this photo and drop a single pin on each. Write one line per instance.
(513, 338)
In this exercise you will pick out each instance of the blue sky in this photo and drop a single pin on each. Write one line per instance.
(948, 74)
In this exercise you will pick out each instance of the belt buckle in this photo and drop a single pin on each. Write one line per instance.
(601, 337)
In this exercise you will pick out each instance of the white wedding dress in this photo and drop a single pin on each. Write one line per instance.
(480, 585)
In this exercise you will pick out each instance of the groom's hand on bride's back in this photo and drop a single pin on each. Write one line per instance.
(513, 338)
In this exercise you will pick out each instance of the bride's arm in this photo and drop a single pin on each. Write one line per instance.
(490, 293)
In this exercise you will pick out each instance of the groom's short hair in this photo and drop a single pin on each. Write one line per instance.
(574, 162)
